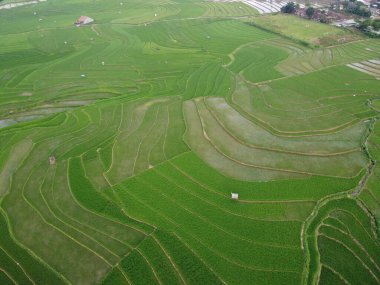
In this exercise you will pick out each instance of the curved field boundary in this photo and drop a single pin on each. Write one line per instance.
(371, 67)
(326, 208)
(218, 116)
(211, 136)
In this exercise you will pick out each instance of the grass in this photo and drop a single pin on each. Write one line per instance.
(156, 113)
(351, 240)
(370, 195)
(328, 276)
(304, 60)
(306, 31)
(323, 109)
(193, 268)
(228, 9)
(164, 268)
(19, 265)
(260, 157)
(263, 191)
(353, 271)
(257, 62)
(376, 105)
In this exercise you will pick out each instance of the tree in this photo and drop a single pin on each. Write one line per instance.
(365, 24)
(289, 8)
(310, 12)
(376, 24)
(357, 8)
(323, 19)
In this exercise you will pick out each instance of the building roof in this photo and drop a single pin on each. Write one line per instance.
(84, 20)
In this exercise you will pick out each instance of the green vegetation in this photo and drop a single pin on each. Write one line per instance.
(342, 234)
(374, 23)
(305, 31)
(370, 194)
(289, 8)
(310, 12)
(357, 8)
(121, 142)
(19, 265)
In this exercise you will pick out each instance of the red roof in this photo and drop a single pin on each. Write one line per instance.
(82, 19)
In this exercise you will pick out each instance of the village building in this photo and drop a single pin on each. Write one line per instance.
(365, 2)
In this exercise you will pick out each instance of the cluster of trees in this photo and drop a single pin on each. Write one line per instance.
(371, 27)
(350, 6)
(289, 8)
(357, 8)
(310, 12)
(374, 23)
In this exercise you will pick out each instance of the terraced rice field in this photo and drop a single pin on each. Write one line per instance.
(371, 67)
(265, 7)
(122, 141)
(262, 7)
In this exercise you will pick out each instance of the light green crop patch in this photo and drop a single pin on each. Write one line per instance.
(16, 156)
(306, 31)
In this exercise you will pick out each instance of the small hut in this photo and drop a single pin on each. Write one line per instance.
(52, 160)
(234, 196)
(83, 20)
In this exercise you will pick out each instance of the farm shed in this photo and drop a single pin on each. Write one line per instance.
(234, 196)
(52, 160)
(84, 20)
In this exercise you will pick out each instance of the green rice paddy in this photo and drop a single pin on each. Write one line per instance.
(121, 143)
